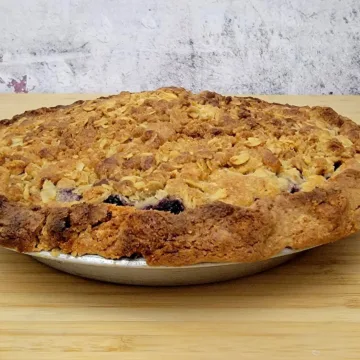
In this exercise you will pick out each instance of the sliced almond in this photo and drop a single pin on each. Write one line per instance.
(48, 192)
(312, 182)
(240, 159)
(202, 165)
(133, 179)
(263, 173)
(17, 141)
(80, 166)
(139, 185)
(344, 140)
(154, 185)
(90, 106)
(219, 194)
(128, 156)
(253, 142)
(27, 192)
(102, 143)
(65, 183)
(194, 184)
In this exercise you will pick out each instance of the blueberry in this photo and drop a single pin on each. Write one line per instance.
(175, 206)
(116, 200)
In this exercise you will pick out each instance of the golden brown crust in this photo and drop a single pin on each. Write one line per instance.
(253, 178)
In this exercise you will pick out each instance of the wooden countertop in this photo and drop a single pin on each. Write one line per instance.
(308, 308)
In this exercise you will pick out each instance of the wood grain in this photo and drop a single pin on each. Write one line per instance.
(308, 308)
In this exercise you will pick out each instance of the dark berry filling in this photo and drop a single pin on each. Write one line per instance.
(169, 204)
(337, 164)
(67, 195)
(135, 256)
(172, 205)
(294, 189)
(116, 200)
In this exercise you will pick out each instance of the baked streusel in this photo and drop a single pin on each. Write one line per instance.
(178, 178)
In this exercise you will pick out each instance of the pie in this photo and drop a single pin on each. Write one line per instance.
(178, 178)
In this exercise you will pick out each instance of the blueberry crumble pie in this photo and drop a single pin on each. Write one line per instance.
(178, 178)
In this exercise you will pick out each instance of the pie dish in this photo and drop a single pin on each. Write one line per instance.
(137, 272)
(178, 178)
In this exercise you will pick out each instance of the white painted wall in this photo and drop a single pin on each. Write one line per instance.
(244, 46)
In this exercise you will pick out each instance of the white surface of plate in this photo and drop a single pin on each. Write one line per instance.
(137, 272)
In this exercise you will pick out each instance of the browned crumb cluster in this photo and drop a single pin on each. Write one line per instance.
(179, 178)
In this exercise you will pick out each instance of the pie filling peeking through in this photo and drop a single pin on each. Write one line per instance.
(179, 178)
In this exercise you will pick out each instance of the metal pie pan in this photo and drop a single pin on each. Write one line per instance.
(137, 272)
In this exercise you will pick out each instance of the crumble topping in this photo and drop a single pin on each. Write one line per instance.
(138, 149)
(178, 178)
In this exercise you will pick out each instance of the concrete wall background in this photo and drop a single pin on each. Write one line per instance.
(244, 46)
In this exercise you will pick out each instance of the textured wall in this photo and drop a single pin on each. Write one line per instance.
(245, 46)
